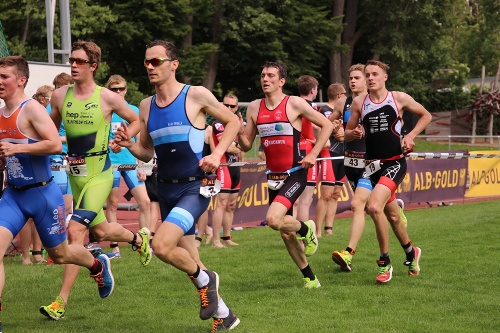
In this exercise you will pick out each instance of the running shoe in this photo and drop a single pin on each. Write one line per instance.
(55, 310)
(92, 246)
(223, 324)
(209, 296)
(384, 272)
(343, 259)
(413, 266)
(114, 255)
(401, 205)
(310, 240)
(104, 279)
(145, 249)
(311, 284)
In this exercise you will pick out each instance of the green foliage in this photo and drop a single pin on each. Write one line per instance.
(454, 76)
(453, 98)
(194, 63)
(416, 38)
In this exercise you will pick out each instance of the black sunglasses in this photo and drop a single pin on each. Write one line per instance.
(229, 106)
(156, 61)
(118, 89)
(79, 61)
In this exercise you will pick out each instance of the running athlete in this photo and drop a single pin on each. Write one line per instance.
(229, 177)
(278, 120)
(173, 125)
(86, 110)
(380, 113)
(332, 174)
(354, 161)
(57, 161)
(27, 137)
(308, 90)
(134, 179)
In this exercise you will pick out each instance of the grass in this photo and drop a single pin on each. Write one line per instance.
(422, 145)
(457, 290)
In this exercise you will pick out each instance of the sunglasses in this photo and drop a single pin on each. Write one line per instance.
(155, 61)
(230, 106)
(79, 61)
(118, 89)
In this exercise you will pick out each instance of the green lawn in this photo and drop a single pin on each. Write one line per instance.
(457, 291)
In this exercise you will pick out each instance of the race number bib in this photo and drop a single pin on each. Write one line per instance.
(77, 166)
(275, 181)
(354, 160)
(115, 126)
(373, 167)
(210, 186)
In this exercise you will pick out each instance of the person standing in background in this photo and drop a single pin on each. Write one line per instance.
(332, 172)
(308, 90)
(229, 177)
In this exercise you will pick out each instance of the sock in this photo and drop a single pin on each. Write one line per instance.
(222, 310)
(92, 238)
(351, 251)
(303, 229)
(200, 278)
(308, 273)
(408, 247)
(385, 258)
(96, 267)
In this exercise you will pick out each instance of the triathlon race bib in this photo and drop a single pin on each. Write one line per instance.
(275, 181)
(373, 167)
(77, 166)
(210, 186)
(354, 160)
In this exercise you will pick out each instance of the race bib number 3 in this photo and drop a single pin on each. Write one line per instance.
(77, 166)
(275, 181)
(210, 186)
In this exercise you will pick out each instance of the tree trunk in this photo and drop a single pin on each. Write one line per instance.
(474, 115)
(350, 37)
(187, 42)
(213, 61)
(490, 128)
(336, 56)
(26, 29)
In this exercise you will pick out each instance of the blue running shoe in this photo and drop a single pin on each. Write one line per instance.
(104, 279)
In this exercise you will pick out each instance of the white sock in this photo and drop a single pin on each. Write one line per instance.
(202, 279)
(222, 310)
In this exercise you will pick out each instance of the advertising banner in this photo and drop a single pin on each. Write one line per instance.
(433, 180)
(484, 175)
(426, 180)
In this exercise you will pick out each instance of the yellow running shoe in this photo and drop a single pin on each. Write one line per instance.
(401, 205)
(311, 284)
(310, 240)
(55, 310)
(145, 249)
